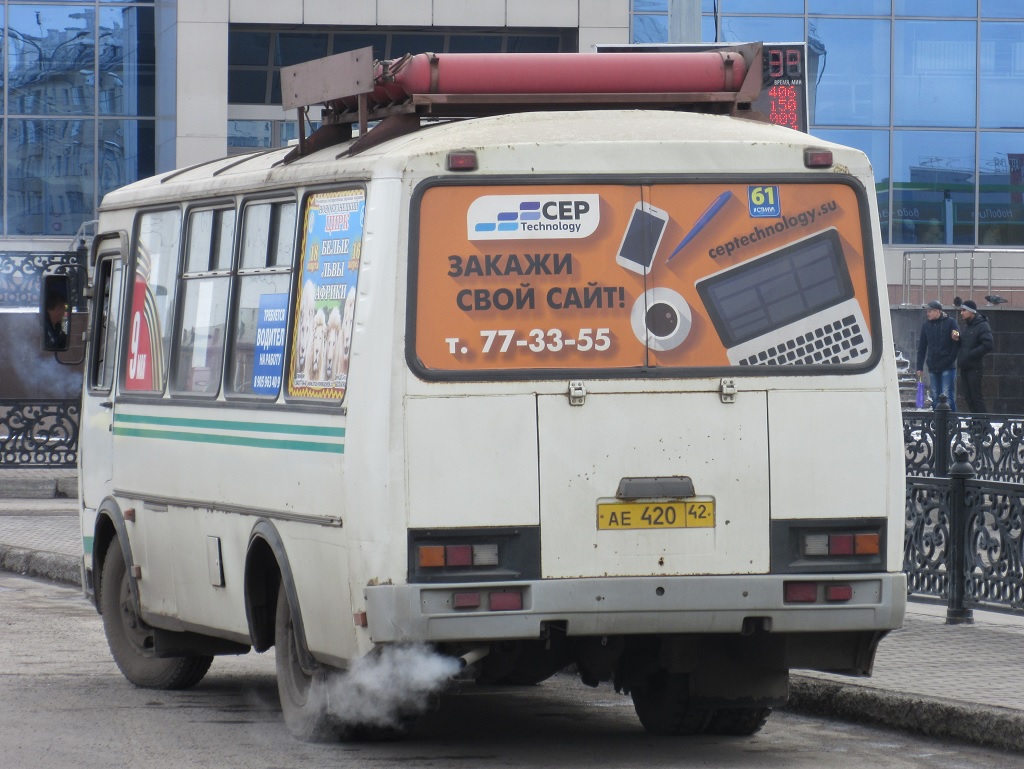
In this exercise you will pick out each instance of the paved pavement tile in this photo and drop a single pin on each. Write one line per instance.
(955, 681)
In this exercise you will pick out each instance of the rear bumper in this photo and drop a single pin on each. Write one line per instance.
(633, 605)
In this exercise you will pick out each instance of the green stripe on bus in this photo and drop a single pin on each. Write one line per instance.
(87, 545)
(256, 427)
(231, 440)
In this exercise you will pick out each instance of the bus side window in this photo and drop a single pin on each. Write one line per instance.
(200, 336)
(155, 270)
(263, 284)
(108, 303)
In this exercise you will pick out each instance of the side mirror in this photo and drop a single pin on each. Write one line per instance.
(55, 312)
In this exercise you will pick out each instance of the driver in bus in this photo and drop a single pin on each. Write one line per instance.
(56, 309)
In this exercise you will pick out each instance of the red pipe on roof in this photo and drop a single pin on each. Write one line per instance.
(547, 73)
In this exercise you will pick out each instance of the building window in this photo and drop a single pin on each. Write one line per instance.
(71, 69)
(944, 96)
(256, 54)
(650, 21)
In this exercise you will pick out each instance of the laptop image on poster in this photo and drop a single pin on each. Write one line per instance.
(791, 306)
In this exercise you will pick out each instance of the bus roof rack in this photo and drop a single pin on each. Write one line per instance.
(400, 93)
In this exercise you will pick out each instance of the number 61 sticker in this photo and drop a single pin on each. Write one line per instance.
(763, 201)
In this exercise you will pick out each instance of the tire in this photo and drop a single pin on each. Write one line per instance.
(739, 722)
(305, 698)
(534, 662)
(663, 706)
(131, 640)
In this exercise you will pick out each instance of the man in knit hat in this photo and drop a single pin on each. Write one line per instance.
(975, 344)
(938, 346)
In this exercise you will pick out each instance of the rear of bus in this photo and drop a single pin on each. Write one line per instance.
(650, 423)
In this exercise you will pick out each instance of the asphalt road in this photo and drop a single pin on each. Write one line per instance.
(63, 703)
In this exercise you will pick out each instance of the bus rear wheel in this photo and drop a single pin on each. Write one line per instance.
(304, 697)
(740, 722)
(131, 640)
(663, 705)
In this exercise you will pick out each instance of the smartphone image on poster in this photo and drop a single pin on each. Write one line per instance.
(642, 238)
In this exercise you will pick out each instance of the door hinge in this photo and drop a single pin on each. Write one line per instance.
(727, 390)
(577, 393)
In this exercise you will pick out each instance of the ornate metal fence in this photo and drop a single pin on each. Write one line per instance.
(21, 271)
(926, 536)
(995, 524)
(994, 443)
(39, 433)
(990, 507)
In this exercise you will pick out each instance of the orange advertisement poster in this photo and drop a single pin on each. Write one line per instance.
(612, 276)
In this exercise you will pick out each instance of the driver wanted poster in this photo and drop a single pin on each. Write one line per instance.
(332, 242)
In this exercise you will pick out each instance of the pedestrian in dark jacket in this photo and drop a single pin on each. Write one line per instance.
(975, 344)
(939, 346)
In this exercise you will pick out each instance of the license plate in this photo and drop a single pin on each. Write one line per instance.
(690, 513)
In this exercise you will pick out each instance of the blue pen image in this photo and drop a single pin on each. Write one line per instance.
(701, 223)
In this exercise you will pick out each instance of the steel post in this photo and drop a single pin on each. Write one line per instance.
(956, 564)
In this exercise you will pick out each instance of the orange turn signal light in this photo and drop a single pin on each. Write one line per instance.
(866, 544)
(431, 555)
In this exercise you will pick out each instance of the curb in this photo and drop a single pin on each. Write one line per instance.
(983, 725)
(39, 488)
(34, 563)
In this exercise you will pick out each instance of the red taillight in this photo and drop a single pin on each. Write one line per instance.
(840, 544)
(808, 592)
(458, 555)
(441, 556)
(505, 600)
(838, 592)
(464, 160)
(466, 600)
(821, 544)
(801, 592)
(817, 158)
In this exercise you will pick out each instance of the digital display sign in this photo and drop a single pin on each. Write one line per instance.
(783, 96)
(784, 79)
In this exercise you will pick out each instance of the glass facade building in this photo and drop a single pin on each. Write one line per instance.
(931, 90)
(78, 110)
(256, 54)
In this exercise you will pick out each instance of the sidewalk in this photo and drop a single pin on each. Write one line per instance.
(39, 533)
(961, 682)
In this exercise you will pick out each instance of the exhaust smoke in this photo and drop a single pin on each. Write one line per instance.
(382, 690)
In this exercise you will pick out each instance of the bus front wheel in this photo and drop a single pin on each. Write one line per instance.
(131, 640)
(304, 696)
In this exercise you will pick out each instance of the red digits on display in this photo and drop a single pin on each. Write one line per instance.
(783, 109)
(793, 66)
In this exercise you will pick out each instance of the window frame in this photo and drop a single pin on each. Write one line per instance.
(240, 273)
(215, 271)
(361, 185)
(131, 271)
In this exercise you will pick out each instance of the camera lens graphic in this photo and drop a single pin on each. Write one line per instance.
(661, 319)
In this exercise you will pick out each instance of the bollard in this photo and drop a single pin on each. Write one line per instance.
(956, 555)
(942, 414)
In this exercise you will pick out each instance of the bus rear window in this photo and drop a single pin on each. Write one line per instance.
(544, 280)
(332, 245)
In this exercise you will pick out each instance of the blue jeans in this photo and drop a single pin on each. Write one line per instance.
(944, 383)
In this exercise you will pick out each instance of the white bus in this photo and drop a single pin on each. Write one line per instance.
(609, 390)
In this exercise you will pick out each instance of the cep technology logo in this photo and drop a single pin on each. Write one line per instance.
(516, 217)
